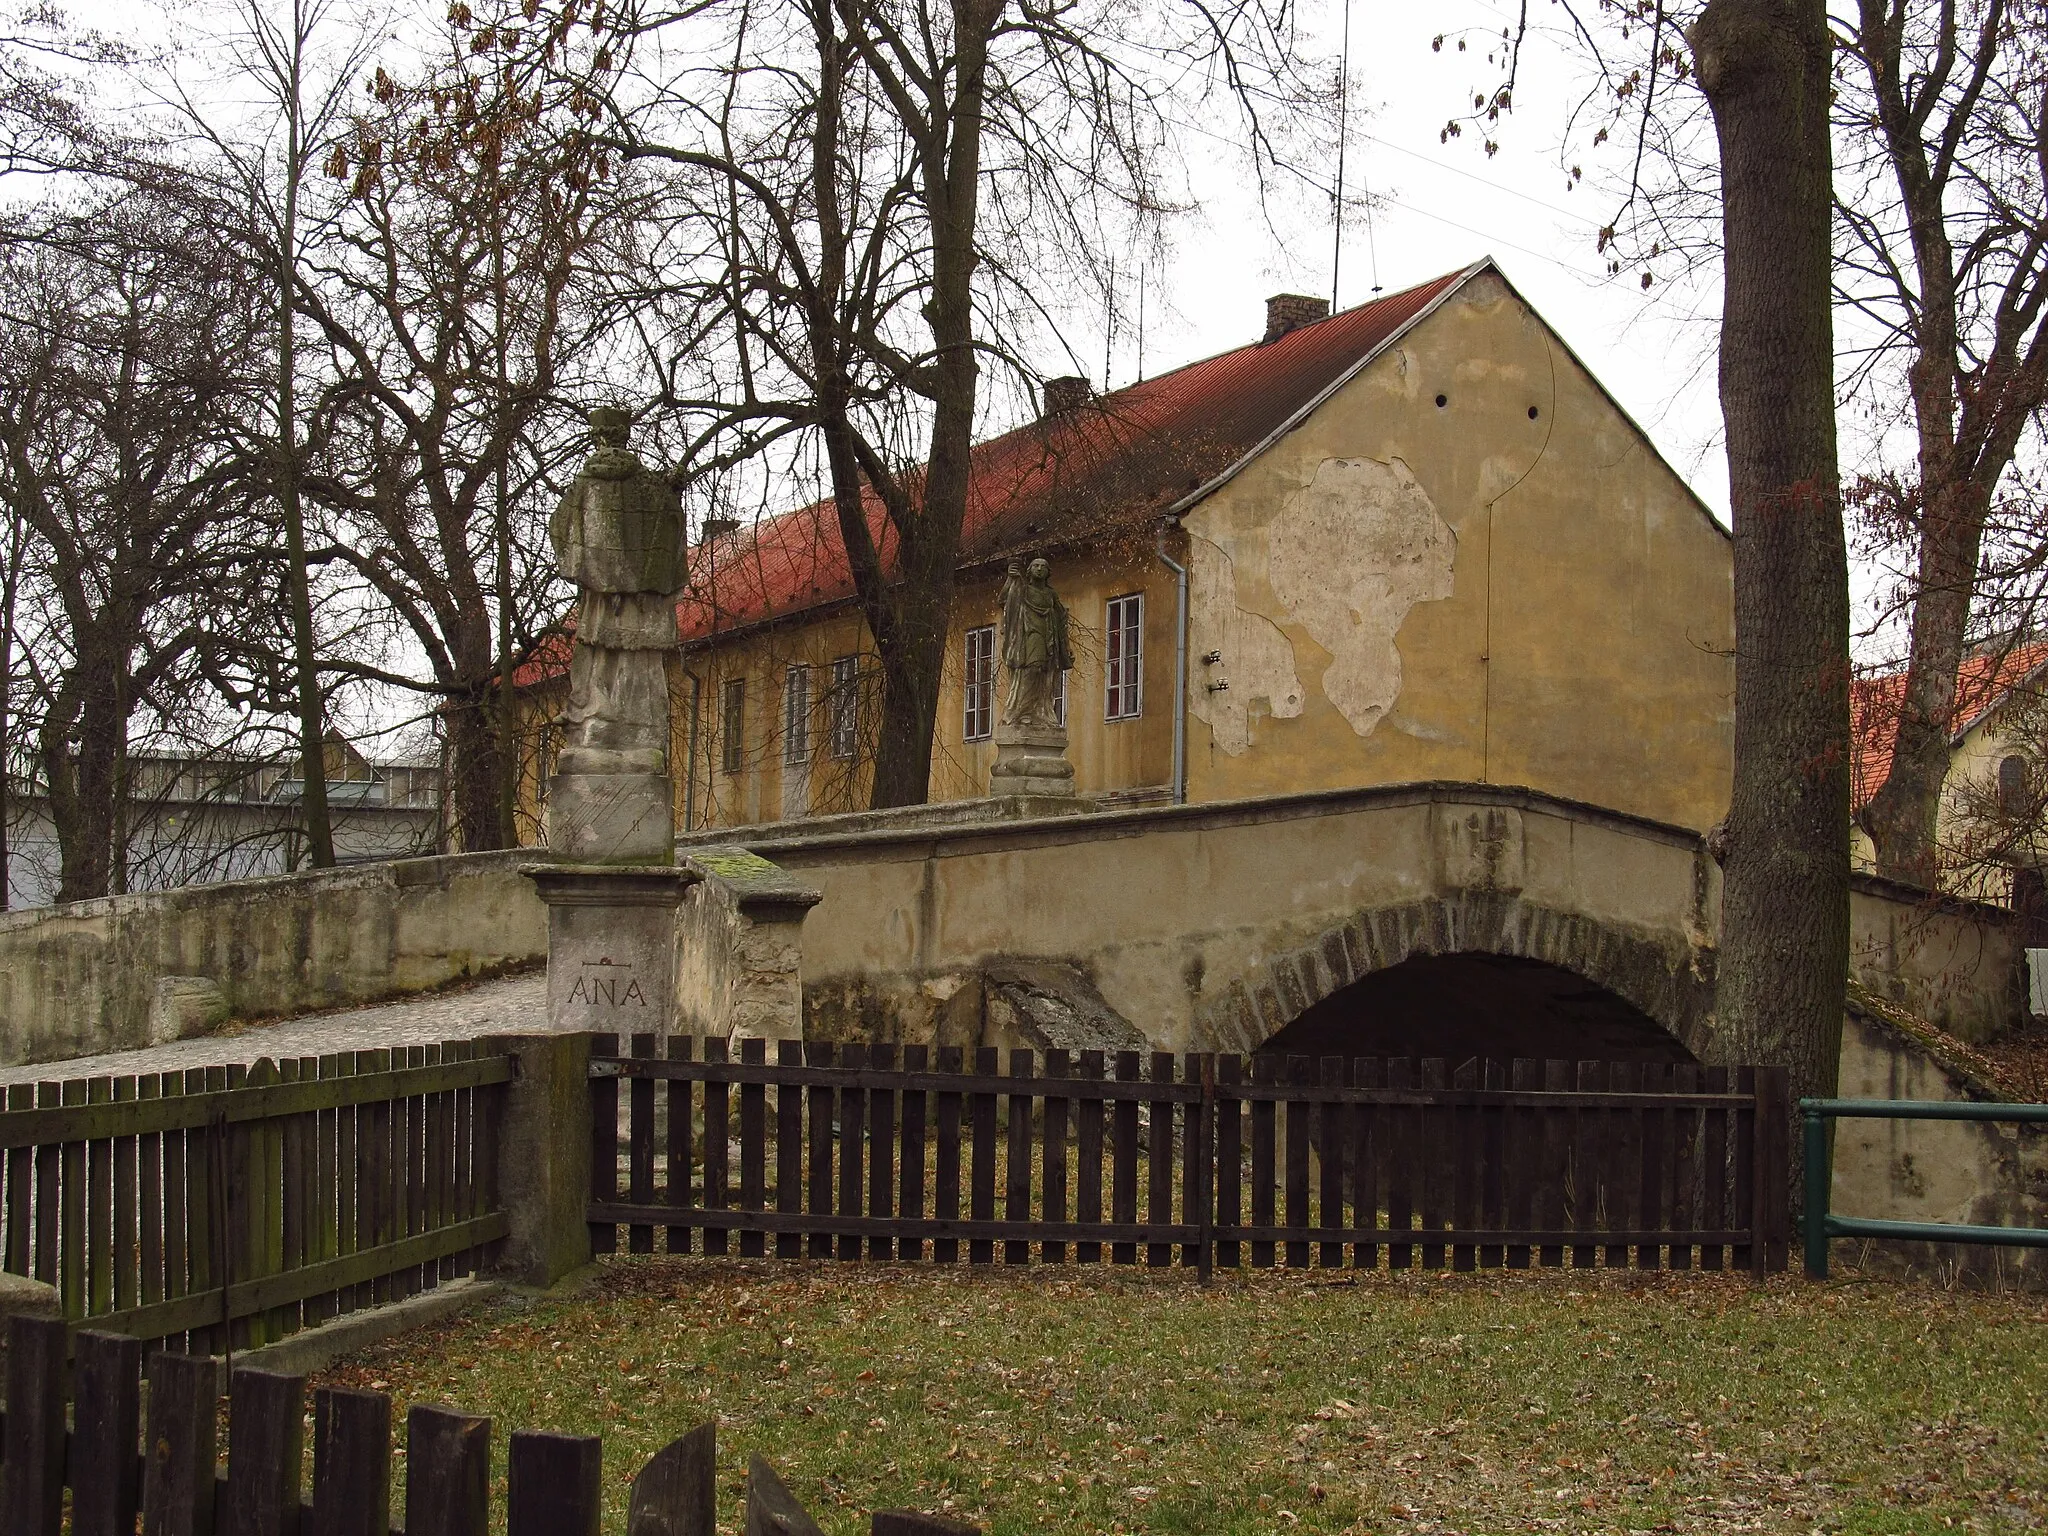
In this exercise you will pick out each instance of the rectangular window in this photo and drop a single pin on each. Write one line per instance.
(979, 720)
(796, 715)
(733, 725)
(1124, 649)
(1059, 701)
(843, 711)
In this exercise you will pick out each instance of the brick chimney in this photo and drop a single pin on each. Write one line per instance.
(1290, 312)
(716, 528)
(1060, 395)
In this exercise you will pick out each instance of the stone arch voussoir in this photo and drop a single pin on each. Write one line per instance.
(1661, 976)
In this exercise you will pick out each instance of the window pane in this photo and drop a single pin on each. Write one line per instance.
(1125, 670)
(978, 713)
(845, 710)
(796, 715)
(733, 726)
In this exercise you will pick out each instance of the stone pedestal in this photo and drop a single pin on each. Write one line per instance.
(1031, 760)
(611, 818)
(611, 946)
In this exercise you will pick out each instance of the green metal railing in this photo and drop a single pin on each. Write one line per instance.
(1819, 1224)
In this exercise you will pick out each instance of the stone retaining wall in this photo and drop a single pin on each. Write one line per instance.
(84, 978)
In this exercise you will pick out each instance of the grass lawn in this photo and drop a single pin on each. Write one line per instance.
(1125, 1401)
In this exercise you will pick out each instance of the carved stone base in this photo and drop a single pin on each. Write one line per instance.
(1031, 760)
(611, 818)
(611, 946)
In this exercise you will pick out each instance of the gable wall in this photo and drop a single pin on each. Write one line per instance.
(1401, 591)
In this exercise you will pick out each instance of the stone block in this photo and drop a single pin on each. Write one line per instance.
(1031, 761)
(611, 818)
(184, 1008)
(1480, 847)
(611, 946)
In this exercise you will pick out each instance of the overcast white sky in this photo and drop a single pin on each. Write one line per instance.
(1440, 207)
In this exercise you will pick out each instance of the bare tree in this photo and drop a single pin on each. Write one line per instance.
(127, 353)
(875, 200)
(1758, 203)
(1944, 217)
(455, 316)
(300, 61)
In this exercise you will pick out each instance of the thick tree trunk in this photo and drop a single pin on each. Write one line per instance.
(477, 786)
(1903, 817)
(1764, 65)
(913, 667)
(84, 780)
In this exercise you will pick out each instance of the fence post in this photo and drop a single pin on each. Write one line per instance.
(177, 1480)
(1819, 1189)
(32, 1480)
(544, 1157)
(351, 1463)
(266, 1438)
(554, 1484)
(106, 1488)
(447, 1473)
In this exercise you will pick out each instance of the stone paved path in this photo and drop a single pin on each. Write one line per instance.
(518, 1003)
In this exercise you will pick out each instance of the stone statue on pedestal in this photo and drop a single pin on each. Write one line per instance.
(619, 535)
(1031, 744)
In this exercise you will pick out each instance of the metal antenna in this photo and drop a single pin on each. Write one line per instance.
(1141, 322)
(1343, 117)
(1108, 324)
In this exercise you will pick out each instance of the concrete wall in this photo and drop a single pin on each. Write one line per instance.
(739, 948)
(81, 978)
(1957, 964)
(1933, 1170)
(1209, 927)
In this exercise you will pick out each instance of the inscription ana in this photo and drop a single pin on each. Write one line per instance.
(607, 991)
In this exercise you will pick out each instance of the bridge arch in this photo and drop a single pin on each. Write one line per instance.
(1656, 980)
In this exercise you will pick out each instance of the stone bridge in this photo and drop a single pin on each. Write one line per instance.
(1426, 918)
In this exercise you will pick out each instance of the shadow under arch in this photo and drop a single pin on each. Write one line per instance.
(1662, 980)
(1459, 1006)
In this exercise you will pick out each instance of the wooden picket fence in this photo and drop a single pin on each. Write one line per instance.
(226, 1207)
(862, 1151)
(554, 1482)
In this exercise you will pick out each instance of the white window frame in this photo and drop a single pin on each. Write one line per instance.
(796, 715)
(842, 716)
(978, 693)
(732, 725)
(1059, 700)
(1123, 652)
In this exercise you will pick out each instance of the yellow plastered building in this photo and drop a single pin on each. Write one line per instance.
(1415, 540)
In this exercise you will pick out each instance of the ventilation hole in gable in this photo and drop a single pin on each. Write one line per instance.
(1442, 401)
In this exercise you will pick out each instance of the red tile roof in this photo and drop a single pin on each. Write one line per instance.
(1982, 683)
(1115, 462)
(1125, 457)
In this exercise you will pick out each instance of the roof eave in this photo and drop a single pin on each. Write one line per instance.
(1315, 402)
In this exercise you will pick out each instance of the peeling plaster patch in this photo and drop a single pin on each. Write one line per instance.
(1373, 523)
(1258, 660)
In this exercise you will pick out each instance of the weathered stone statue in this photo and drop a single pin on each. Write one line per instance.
(619, 535)
(1035, 645)
(1031, 745)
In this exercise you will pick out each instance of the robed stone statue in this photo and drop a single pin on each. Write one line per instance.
(1031, 744)
(1035, 645)
(619, 534)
